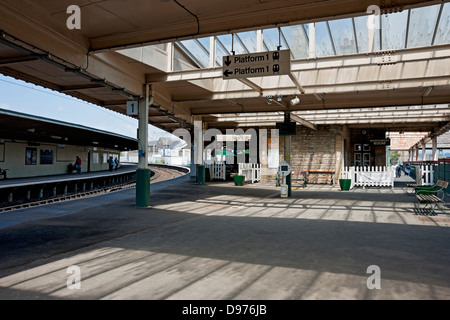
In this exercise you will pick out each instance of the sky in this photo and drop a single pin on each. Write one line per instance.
(20, 96)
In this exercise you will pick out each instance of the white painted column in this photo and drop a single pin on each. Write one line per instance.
(371, 31)
(198, 139)
(197, 147)
(434, 152)
(259, 40)
(212, 52)
(312, 40)
(143, 130)
(143, 172)
(170, 55)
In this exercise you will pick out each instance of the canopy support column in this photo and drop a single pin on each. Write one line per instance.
(143, 172)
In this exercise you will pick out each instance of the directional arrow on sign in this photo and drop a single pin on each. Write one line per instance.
(258, 64)
(228, 61)
(227, 73)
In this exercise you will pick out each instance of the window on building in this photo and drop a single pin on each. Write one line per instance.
(30, 156)
(46, 157)
(95, 157)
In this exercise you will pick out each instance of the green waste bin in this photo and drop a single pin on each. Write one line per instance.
(239, 180)
(201, 174)
(345, 184)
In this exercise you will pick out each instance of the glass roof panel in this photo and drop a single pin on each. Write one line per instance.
(343, 36)
(204, 42)
(197, 50)
(230, 43)
(221, 48)
(422, 23)
(324, 47)
(393, 29)
(411, 28)
(297, 40)
(248, 40)
(271, 37)
(443, 31)
(362, 35)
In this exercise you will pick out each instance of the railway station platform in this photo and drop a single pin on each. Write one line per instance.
(221, 241)
(18, 182)
(37, 190)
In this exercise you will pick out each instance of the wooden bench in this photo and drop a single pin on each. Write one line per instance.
(429, 197)
(305, 176)
(299, 176)
(328, 172)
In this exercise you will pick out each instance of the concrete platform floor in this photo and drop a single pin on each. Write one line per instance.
(220, 241)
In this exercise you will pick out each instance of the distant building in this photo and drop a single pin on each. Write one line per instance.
(168, 150)
(403, 141)
(443, 147)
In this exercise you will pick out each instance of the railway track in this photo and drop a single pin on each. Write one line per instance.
(160, 174)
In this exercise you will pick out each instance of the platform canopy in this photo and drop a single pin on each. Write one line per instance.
(343, 56)
(34, 130)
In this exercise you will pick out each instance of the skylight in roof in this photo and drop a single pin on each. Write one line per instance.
(297, 39)
(324, 44)
(443, 30)
(393, 30)
(422, 23)
(343, 36)
(418, 27)
(197, 50)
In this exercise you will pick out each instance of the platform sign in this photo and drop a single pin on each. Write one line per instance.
(260, 64)
(132, 108)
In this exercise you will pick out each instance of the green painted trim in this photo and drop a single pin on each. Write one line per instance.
(143, 188)
(201, 174)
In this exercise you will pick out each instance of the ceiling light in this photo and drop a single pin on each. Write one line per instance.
(295, 101)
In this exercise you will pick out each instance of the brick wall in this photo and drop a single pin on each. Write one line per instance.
(311, 149)
(405, 140)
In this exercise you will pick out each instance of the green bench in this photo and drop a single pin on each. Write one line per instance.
(430, 197)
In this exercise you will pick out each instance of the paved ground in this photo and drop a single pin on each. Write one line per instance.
(220, 241)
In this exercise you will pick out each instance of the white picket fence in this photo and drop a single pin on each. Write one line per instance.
(349, 173)
(217, 170)
(369, 176)
(425, 175)
(251, 171)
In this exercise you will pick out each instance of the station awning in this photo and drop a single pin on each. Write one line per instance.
(33, 129)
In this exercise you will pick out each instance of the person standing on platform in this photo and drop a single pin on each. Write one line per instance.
(116, 163)
(111, 163)
(78, 164)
